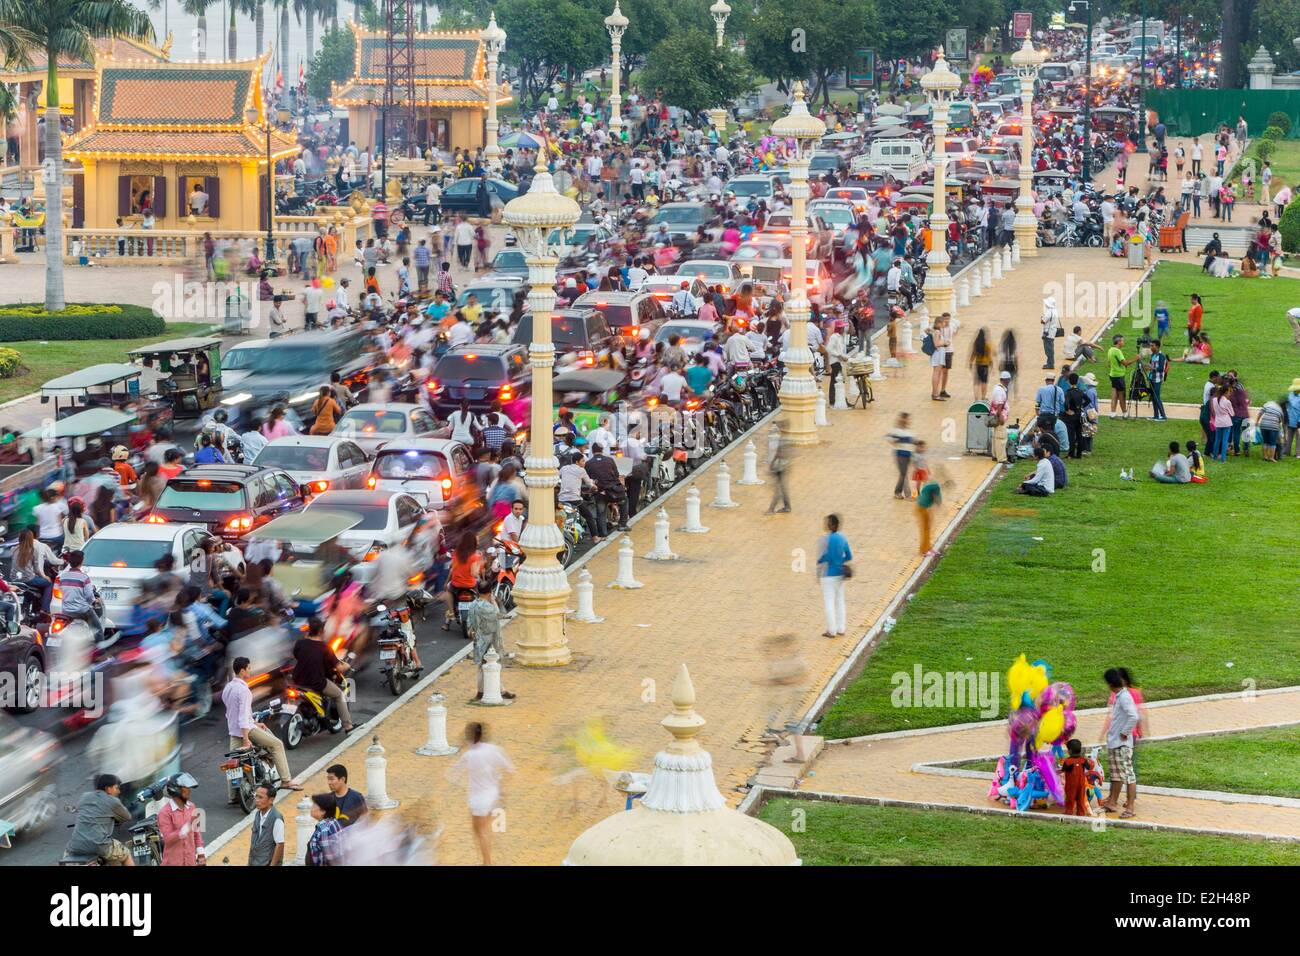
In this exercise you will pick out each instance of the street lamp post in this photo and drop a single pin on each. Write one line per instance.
(719, 11)
(1086, 175)
(941, 86)
(616, 24)
(282, 116)
(1026, 61)
(798, 389)
(542, 590)
(494, 41)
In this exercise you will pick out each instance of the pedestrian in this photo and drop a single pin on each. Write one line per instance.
(904, 443)
(780, 453)
(834, 568)
(1121, 725)
(482, 765)
(266, 835)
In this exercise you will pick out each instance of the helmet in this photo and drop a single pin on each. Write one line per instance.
(120, 453)
(220, 416)
(178, 780)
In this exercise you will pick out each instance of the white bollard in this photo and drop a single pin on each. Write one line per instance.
(377, 797)
(1015, 253)
(491, 681)
(625, 581)
(661, 552)
(693, 525)
(749, 476)
(875, 375)
(963, 292)
(1007, 263)
(976, 287)
(586, 602)
(303, 824)
(988, 272)
(722, 490)
(436, 745)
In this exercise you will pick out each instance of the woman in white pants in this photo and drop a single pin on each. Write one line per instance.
(833, 568)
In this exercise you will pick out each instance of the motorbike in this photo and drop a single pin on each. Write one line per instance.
(305, 713)
(396, 663)
(247, 768)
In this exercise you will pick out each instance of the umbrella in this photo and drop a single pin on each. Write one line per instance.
(519, 140)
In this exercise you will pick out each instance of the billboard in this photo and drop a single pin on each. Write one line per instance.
(954, 47)
(861, 73)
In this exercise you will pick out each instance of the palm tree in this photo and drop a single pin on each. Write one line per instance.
(199, 8)
(65, 28)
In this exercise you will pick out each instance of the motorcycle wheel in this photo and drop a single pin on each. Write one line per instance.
(292, 731)
(246, 796)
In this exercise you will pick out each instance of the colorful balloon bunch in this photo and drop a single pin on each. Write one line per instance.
(1042, 715)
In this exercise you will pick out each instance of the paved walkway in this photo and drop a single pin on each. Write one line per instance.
(885, 765)
(749, 580)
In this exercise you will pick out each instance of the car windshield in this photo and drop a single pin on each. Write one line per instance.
(239, 360)
(430, 465)
(671, 214)
(124, 552)
(750, 187)
(565, 330)
(294, 457)
(755, 250)
(370, 421)
(202, 494)
(373, 517)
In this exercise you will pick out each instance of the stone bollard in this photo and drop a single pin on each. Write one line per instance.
(987, 268)
(749, 476)
(303, 826)
(491, 681)
(875, 375)
(722, 490)
(377, 797)
(963, 292)
(586, 603)
(1015, 253)
(1007, 263)
(625, 581)
(976, 287)
(662, 551)
(436, 745)
(693, 525)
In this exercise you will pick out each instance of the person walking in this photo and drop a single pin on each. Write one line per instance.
(833, 569)
(482, 766)
(1121, 724)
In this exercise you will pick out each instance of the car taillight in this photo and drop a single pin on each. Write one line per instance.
(320, 486)
(239, 523)
(155, 519)
(372, 481)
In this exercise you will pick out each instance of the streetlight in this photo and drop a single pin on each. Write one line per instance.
(941, 86)
(494, 41)
(542, 590)
(616, 24)
(282, 116)
(1026, 62)
(1087, 95)
(798, 390)
(719, 11)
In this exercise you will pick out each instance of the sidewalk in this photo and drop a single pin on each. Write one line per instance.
(889, 766)
(751, 578)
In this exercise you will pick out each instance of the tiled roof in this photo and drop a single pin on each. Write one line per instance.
(440, 56)
(175, 94)
(426, 94)
(186, 143)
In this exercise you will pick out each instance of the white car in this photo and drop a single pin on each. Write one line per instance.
(387, 518)
(324, 462)
(435, 471)
(372, 425)
(121, 557)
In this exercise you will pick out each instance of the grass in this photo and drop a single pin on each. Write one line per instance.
(1246, 320)
(1191, 587)
(43, 361)
(1250, 761)
(836, 834)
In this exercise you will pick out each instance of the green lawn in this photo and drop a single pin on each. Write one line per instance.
(1246, 320)
(836, 834)
(1194, 587)
(1252, 761)
(46, 360)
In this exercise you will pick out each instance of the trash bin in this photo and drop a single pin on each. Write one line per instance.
(1137, 252)
(979, 430)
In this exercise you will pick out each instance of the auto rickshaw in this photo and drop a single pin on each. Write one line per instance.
(193, 373)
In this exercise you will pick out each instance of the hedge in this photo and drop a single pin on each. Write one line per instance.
(30, 322)
(11, 361)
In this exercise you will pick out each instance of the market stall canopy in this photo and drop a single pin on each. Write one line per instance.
(94, 421)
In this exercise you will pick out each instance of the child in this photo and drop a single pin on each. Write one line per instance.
(1076, 769)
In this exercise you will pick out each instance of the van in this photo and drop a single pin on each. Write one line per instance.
(905, 158)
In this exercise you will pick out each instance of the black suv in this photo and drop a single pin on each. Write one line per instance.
(583, 332)
(483, 374)
(230, 499)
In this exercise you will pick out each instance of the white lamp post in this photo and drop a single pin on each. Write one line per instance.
(798, 390)
(1026, 62)
(542, 590)
(719, 11)
(941, 86)
(494, 41)
(616, 24)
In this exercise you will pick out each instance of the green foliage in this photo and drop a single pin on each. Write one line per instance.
(690, 72)
(22, 322)
(1279, 120)
(11, 361)
(1273, 132)
(1290, 228)
(332, 62)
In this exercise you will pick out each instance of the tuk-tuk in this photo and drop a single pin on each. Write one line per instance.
(1050, 182)
(193, 373)
(310, 555)
(589, 394)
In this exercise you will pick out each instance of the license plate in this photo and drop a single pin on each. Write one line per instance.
(289, 709)
(387, 654)
(463, 606)
(235, 774)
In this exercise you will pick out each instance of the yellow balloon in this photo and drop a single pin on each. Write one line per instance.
(1050, 726)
